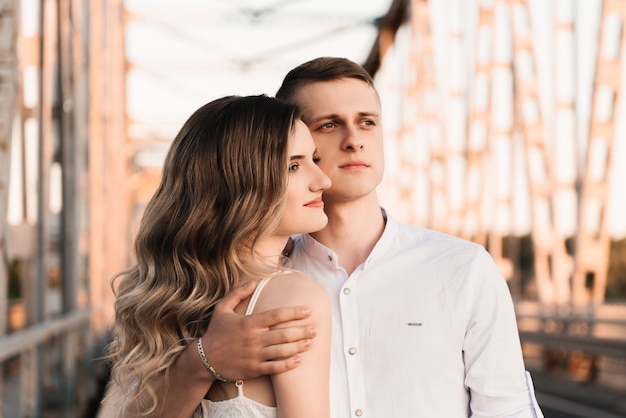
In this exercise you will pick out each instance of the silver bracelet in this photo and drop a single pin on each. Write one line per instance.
(206, 363)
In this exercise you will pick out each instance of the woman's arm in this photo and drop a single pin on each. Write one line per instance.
(303, 392)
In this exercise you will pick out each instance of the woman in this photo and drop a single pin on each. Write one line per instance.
(240, 178)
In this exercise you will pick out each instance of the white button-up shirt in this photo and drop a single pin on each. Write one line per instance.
(425, 327)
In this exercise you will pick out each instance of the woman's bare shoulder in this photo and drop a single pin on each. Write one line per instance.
(290, 289)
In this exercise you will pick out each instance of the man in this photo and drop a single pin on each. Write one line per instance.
(423, 323)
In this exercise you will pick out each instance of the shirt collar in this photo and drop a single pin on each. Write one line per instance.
(315, 249)
(319, 251)
(386, 240)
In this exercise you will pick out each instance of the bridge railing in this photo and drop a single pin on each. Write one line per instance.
(586, 344)
(50, 366)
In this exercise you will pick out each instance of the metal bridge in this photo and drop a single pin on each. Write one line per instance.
(502, 127)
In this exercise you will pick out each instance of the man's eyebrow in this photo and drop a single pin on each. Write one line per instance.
(334, 116)
(324, 117)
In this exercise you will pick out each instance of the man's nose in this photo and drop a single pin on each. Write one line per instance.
(353, 140)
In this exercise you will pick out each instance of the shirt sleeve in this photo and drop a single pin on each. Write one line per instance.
(494, 367)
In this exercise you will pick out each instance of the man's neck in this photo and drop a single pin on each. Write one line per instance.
(353, 230)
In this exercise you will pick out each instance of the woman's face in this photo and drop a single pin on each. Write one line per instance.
(304, 211)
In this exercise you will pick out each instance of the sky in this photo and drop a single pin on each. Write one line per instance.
(182, 57)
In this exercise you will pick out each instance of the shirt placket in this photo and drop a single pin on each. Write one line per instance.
(351, 348)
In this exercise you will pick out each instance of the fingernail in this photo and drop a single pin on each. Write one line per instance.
(306, 311)
(313, 331)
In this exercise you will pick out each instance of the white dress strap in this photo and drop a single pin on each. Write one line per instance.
(256, 294)
(258, 290)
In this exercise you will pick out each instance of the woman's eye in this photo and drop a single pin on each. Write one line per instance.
(293, 167)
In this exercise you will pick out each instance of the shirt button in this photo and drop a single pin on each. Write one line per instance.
(358, 412)
(346, 291)
(330, 258)
(352, 351)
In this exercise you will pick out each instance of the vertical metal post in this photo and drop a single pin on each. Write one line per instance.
(479, 128)
(8, 94)
(593, 239)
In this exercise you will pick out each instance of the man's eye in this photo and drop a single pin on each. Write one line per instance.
(328, 125)
(316, 160)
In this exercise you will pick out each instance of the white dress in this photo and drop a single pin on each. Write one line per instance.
(240, 406)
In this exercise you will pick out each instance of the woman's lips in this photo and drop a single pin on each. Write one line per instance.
(315, 203)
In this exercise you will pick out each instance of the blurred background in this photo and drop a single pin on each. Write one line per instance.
(503, 125)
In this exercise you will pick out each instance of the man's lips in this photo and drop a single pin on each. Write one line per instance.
(315, 203)
(354, 164)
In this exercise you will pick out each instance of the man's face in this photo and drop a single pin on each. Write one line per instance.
(344, 118)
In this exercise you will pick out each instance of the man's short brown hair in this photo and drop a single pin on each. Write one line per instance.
(320, 69)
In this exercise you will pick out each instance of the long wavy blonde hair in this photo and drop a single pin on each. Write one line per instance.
(223, 188)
